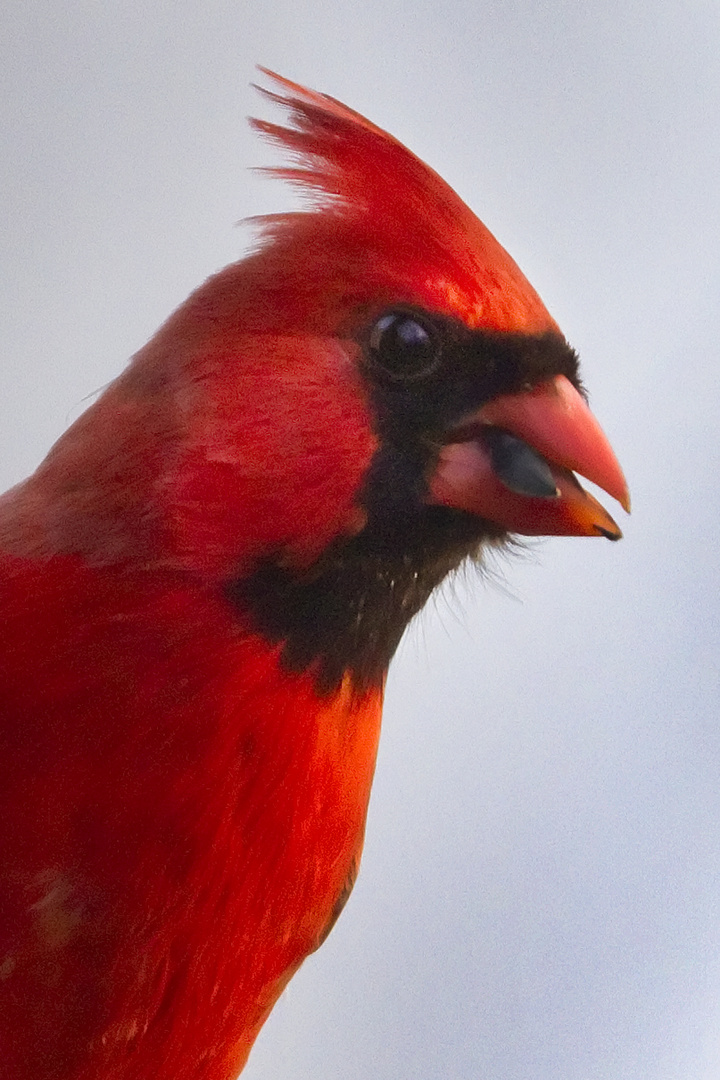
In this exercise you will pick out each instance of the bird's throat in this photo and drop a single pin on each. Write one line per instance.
(348, 613)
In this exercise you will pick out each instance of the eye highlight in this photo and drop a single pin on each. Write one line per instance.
(405, 345)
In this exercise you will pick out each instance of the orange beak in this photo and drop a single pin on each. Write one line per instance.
(513, 461)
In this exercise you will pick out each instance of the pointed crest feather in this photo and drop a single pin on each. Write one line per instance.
(366, 179)
(354, 166)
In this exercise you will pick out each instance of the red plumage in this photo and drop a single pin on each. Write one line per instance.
(203, 585)
(158, 822)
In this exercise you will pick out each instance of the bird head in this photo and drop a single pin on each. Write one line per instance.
(327, 428)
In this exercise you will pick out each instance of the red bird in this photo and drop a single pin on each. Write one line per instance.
(204, 582)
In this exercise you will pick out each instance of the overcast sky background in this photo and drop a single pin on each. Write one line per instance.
(540, 894)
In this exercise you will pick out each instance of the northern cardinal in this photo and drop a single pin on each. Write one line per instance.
(204, 582)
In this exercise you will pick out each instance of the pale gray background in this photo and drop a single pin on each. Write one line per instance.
(540, 896)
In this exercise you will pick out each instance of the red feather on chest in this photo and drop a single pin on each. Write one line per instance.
(194, 817)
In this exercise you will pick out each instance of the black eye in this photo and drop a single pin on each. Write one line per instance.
(405, 345)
